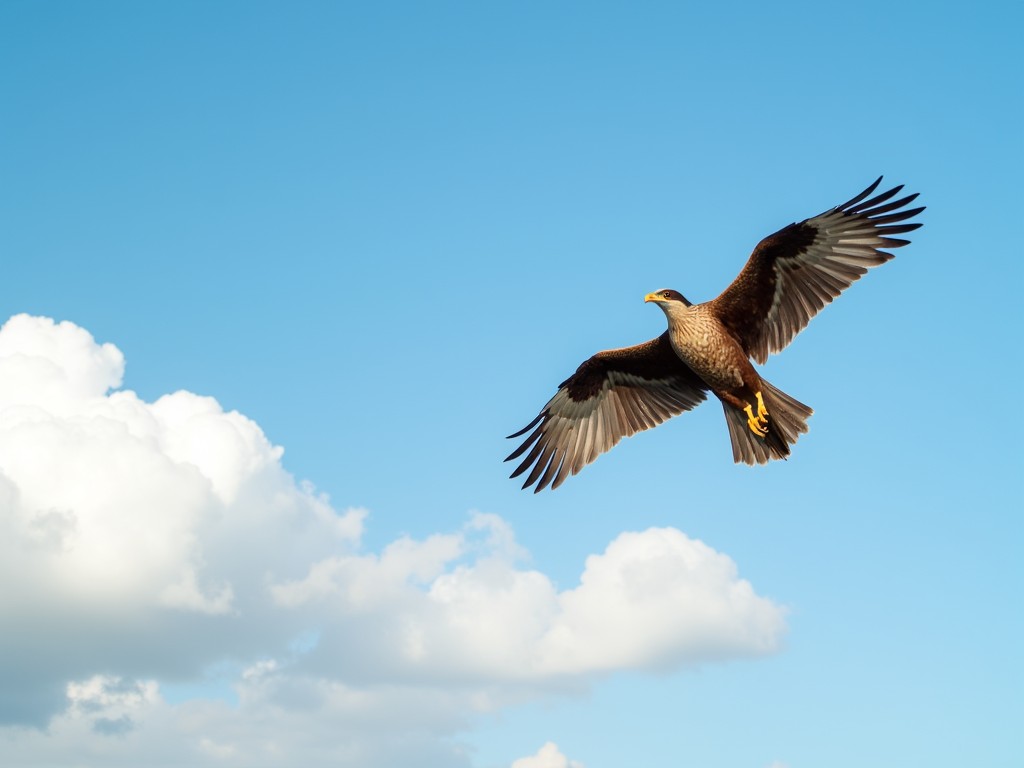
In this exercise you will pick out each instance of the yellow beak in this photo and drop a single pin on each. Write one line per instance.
(653, 297)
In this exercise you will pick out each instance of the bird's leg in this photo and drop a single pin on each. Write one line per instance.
(758, 424)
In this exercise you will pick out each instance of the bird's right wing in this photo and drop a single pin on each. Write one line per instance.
(612, 395)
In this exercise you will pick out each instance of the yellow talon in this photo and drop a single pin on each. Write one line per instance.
(754, 422)
(761, 410)
(758, 424)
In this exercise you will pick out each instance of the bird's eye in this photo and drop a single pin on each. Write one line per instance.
(667, 294)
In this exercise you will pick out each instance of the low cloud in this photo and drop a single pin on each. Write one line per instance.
(143, 544)
(547, 756)
(455, 608)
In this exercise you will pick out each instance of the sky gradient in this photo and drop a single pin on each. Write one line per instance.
(279, 279)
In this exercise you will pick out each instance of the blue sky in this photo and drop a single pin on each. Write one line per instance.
(384, 233)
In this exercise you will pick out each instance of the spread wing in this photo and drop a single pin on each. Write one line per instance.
(612, 395)
(792, 274)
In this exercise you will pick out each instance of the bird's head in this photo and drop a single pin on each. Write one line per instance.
(666, 297)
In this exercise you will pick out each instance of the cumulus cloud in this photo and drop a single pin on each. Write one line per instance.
(279, 720)
(142, 543)
(433, 615)
(142, 534)
(547, 756)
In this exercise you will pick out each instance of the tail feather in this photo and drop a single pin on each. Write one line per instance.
(787, 420)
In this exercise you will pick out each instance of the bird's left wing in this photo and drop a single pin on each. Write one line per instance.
(612, 395)
(794, 273)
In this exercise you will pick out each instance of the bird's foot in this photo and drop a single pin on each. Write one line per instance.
(758, 424)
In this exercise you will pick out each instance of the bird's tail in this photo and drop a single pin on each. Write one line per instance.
(787, 420)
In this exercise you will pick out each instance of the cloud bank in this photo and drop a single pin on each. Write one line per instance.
(144, 544)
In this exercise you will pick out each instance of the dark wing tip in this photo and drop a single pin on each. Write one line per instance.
(876, 202)
(527, 428)
(861, 196)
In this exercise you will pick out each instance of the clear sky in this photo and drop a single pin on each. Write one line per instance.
(376, 236)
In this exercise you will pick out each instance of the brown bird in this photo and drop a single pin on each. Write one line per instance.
(789, 277)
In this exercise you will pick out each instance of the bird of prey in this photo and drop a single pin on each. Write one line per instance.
(789, 277)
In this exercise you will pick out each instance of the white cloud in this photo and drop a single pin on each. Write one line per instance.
(626, 611)
(187, 595)
(437, 611)
(143, 533)
(143, 543)
(547, 756)
(280, 720)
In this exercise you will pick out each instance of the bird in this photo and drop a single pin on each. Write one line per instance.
(790, 276)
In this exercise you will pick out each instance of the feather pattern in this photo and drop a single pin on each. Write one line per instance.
(613, 395)
(794, 273)
(788, 279)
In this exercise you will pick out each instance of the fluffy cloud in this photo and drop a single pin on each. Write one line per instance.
(279, 720)
(134, 536)
(428, 614)
(547, 756)
(142, 544)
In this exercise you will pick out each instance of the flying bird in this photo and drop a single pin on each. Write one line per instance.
(789, 278)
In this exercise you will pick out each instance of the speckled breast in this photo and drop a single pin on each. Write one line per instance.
(708, 349)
